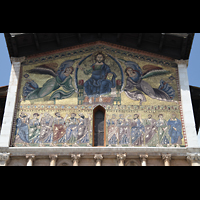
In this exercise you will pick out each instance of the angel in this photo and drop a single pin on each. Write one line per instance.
(60, 78)
(165, 92)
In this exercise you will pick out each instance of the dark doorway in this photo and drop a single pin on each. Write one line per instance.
(99, 126)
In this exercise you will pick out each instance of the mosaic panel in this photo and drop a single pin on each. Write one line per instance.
(58, 93)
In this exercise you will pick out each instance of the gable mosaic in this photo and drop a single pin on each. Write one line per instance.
(58, 92)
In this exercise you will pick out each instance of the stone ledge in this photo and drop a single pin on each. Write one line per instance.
(105, 151)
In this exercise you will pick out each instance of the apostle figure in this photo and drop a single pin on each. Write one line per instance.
(83, 127)
(59, 128)
(150, 128)
(112, 130)
(163, 136)
(123, 130)
(98, 83)
(34, 127)
(175, 130)
(71, 131)
(46, 130)
(22, 132)
(137, 131)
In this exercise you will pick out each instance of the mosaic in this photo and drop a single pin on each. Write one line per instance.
(58, 93)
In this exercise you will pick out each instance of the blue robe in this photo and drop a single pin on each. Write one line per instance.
(98, 84)
(175, 134)
(136, 131)
(22, 129)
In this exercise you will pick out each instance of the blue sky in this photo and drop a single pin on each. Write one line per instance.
(193, 67)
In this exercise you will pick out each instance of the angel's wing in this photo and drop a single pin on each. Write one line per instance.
(44, 69)
(152, 70)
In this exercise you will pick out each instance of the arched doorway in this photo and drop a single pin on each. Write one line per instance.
(99, 126)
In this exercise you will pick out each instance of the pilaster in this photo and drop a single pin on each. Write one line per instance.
(10, 101)
(187, 109)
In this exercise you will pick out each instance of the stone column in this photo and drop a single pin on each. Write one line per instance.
(75, 159)
(30, 158)
(121, 158)
(194, 159)
(4, 157)
(53, 158)
(166, 158)
(188, 115)
(143, 159)
(10, 102)
(98, 158)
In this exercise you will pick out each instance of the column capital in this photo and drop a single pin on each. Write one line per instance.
(182, 62)
(17, 59)
(53, 156)
(30, 156)
(4, 157)
(98, 157)
(75, 159)
(193, 156)
(121, 156)
(143, 156)
(75, 156)
(143, 159)
(166, 157)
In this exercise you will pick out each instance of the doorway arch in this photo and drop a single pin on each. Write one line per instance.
(99, 126)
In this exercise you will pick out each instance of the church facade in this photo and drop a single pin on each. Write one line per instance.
(98, 103)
